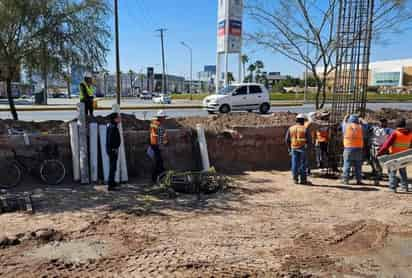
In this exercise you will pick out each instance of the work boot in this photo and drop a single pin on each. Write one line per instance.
(295, 181)
(305, 182)
(392, 189)
(359, 183)
(402, 190)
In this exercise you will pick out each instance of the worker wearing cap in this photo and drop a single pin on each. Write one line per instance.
(158, 137)
(378, 134)
(87, 93)
(399, 141)
(297, 138)
(353, 143)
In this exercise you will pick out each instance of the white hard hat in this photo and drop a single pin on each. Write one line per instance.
(312, 116)
(88, 75)
(301, 116)
(161, 114)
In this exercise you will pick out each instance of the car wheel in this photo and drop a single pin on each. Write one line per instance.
(264, 108)
(224, 109)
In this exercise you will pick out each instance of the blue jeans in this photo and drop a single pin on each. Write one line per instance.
(394, 181)
(299, 165)
(352, 159)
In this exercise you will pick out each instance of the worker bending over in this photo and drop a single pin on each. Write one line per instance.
(158, 137)
(399, 141)
(353, 142)
(297, 138)
(378, 134)
(87, 93)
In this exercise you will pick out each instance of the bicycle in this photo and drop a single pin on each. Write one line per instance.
(50, 170)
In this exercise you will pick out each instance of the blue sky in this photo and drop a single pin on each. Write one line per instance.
(194, 22)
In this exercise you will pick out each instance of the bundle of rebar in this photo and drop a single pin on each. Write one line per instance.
(352, 67)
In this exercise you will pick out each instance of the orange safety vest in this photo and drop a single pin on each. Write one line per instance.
(157, 133)
(322, 135)
(402, 142)
(298, 136)
(353, 136)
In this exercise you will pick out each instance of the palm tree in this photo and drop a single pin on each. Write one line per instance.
(230, 78)
(245, 60)
(259, 66)
(251, 69)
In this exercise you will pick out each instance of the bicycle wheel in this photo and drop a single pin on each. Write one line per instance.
(52, 172)
(12, 174)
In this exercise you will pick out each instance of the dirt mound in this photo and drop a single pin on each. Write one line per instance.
(388, 113)
(52, 127)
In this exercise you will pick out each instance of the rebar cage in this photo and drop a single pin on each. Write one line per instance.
(354, 36)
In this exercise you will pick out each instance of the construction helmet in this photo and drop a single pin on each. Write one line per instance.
(161, 114)
(300, 117)
(88, 75)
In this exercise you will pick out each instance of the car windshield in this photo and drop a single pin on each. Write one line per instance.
(227, 90)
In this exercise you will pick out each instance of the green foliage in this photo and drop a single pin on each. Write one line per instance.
(48, 36)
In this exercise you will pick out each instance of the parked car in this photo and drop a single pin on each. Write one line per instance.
(239, 97)
(145, 95)
(163, 99)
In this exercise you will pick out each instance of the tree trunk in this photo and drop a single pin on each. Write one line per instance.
(46, 87)
(318, 90)
(11, 100)
(323, 96)
(69, 89)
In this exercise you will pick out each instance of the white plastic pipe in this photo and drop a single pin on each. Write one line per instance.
(203, 147)
(74, 144)
(83, 142)
(105, 157)
(94, 152)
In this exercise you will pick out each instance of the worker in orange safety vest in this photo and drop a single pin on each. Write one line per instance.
(399, 141)
(158, 138)
(353, 143)
(297, 138)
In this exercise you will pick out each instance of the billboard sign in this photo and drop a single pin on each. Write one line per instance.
(229, 33)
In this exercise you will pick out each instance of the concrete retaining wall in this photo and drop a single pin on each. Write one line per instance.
(246, 149)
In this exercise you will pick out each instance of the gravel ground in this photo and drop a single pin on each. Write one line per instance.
(262, 226)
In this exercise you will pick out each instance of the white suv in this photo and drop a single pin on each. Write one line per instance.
(239, 97)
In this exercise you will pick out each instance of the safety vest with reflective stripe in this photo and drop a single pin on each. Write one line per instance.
(353, 136)
(157, 133)
(322, 135)
(298, 136)
(89, 91)
(402, 142)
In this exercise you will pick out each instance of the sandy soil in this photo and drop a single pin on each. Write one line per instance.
(213, 123)
(262, 226)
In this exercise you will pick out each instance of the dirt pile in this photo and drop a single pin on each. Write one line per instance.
(213, 123)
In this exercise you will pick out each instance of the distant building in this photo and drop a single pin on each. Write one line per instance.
(174, 83)
(274, 78)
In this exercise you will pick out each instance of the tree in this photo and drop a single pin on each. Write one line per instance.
(245, 60)
(305, 31)
(230, 77)
(251, 69)
(132, 76)
(45, 35)
(259, 67)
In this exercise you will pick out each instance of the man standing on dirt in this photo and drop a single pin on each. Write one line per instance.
(87, 93)
(158, 137)
(354, 143)
(399, 141)
(378, 134)
(113, 142)
(297, 138)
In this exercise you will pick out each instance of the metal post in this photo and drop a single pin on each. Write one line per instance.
(116, 19)
(191, 68)
(162, 30)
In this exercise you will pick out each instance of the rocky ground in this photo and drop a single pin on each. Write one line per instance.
(262, 226)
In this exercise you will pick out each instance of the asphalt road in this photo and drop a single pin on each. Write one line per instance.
(68, 115)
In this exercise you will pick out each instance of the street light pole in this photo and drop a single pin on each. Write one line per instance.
(116, 19)
(191, 68)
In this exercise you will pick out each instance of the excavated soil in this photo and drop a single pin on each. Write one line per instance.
(262, 226)
(213, 123)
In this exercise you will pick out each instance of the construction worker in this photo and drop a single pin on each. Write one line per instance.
(353, 142)
(378, 134)
(399, 141)
(158, 137)
(87, 93)
(297, 138)
(113, 142)
(321, 146)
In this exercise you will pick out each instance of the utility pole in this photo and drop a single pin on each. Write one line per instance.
(116, 23)
(191, 68)
(162, 30)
